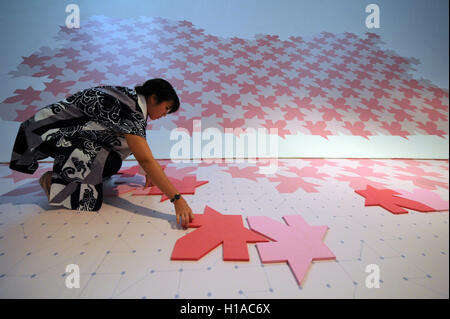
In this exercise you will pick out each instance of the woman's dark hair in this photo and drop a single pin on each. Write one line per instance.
(163, 90)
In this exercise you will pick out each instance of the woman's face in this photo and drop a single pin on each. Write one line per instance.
(157, 110)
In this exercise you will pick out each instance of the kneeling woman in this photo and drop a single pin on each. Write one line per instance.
(89, 134)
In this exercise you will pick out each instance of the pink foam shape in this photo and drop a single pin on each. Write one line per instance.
(426, 197)
(318, 128)
(250, 172)
(292, 184)
(27, 96)
(298, 244)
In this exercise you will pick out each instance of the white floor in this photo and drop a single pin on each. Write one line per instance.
(123, 251)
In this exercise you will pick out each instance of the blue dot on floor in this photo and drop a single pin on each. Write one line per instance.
(404, 278)
(241, 292)
(428, 276)
(209, 294)
(177, 296)
(33, 275)
(328, 285)
(93, 274)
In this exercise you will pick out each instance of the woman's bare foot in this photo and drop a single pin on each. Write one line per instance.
(46, 181)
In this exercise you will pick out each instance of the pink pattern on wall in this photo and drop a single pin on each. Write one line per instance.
(323, 85)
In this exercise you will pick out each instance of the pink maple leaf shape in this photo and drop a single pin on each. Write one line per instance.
(177, 172)
(27, 96)
(438, 92)
(292, 184)
(330, 113)
(318, 128)
(308, 172)
(215, 229)
(279, 125)
(412, 169)
(212, 86)
(317, 162)
(269, 101)
(435, 115)
(304, 103)
(34, 60)
(298, 243)
(76, 65)
(339, 104)
(372, 104)
(366, 114)
(230, 99)
(325, 83)
(400, 114)
(253, 111)
(248, 88)
(395, 129)
(316, 91)
(431, 128)
(56, 87)
(422, 182)
(227, 78)
(183, 123)
(387, 199)
(437, 104)
(405, 104)
(68, 53)
(365, 172)
(357, 129)
(191, 76)
(191, 98)
(51, 71)
(347, 92)
(357, 182)
(246, 172)
(94, 76)
(238, 123)
(212, 109)
(291, 113)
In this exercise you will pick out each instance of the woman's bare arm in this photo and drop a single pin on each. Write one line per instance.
(141, 151)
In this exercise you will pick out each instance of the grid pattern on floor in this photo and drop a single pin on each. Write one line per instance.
(123, 250)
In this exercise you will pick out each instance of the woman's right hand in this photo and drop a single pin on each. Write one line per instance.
(183, 211)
